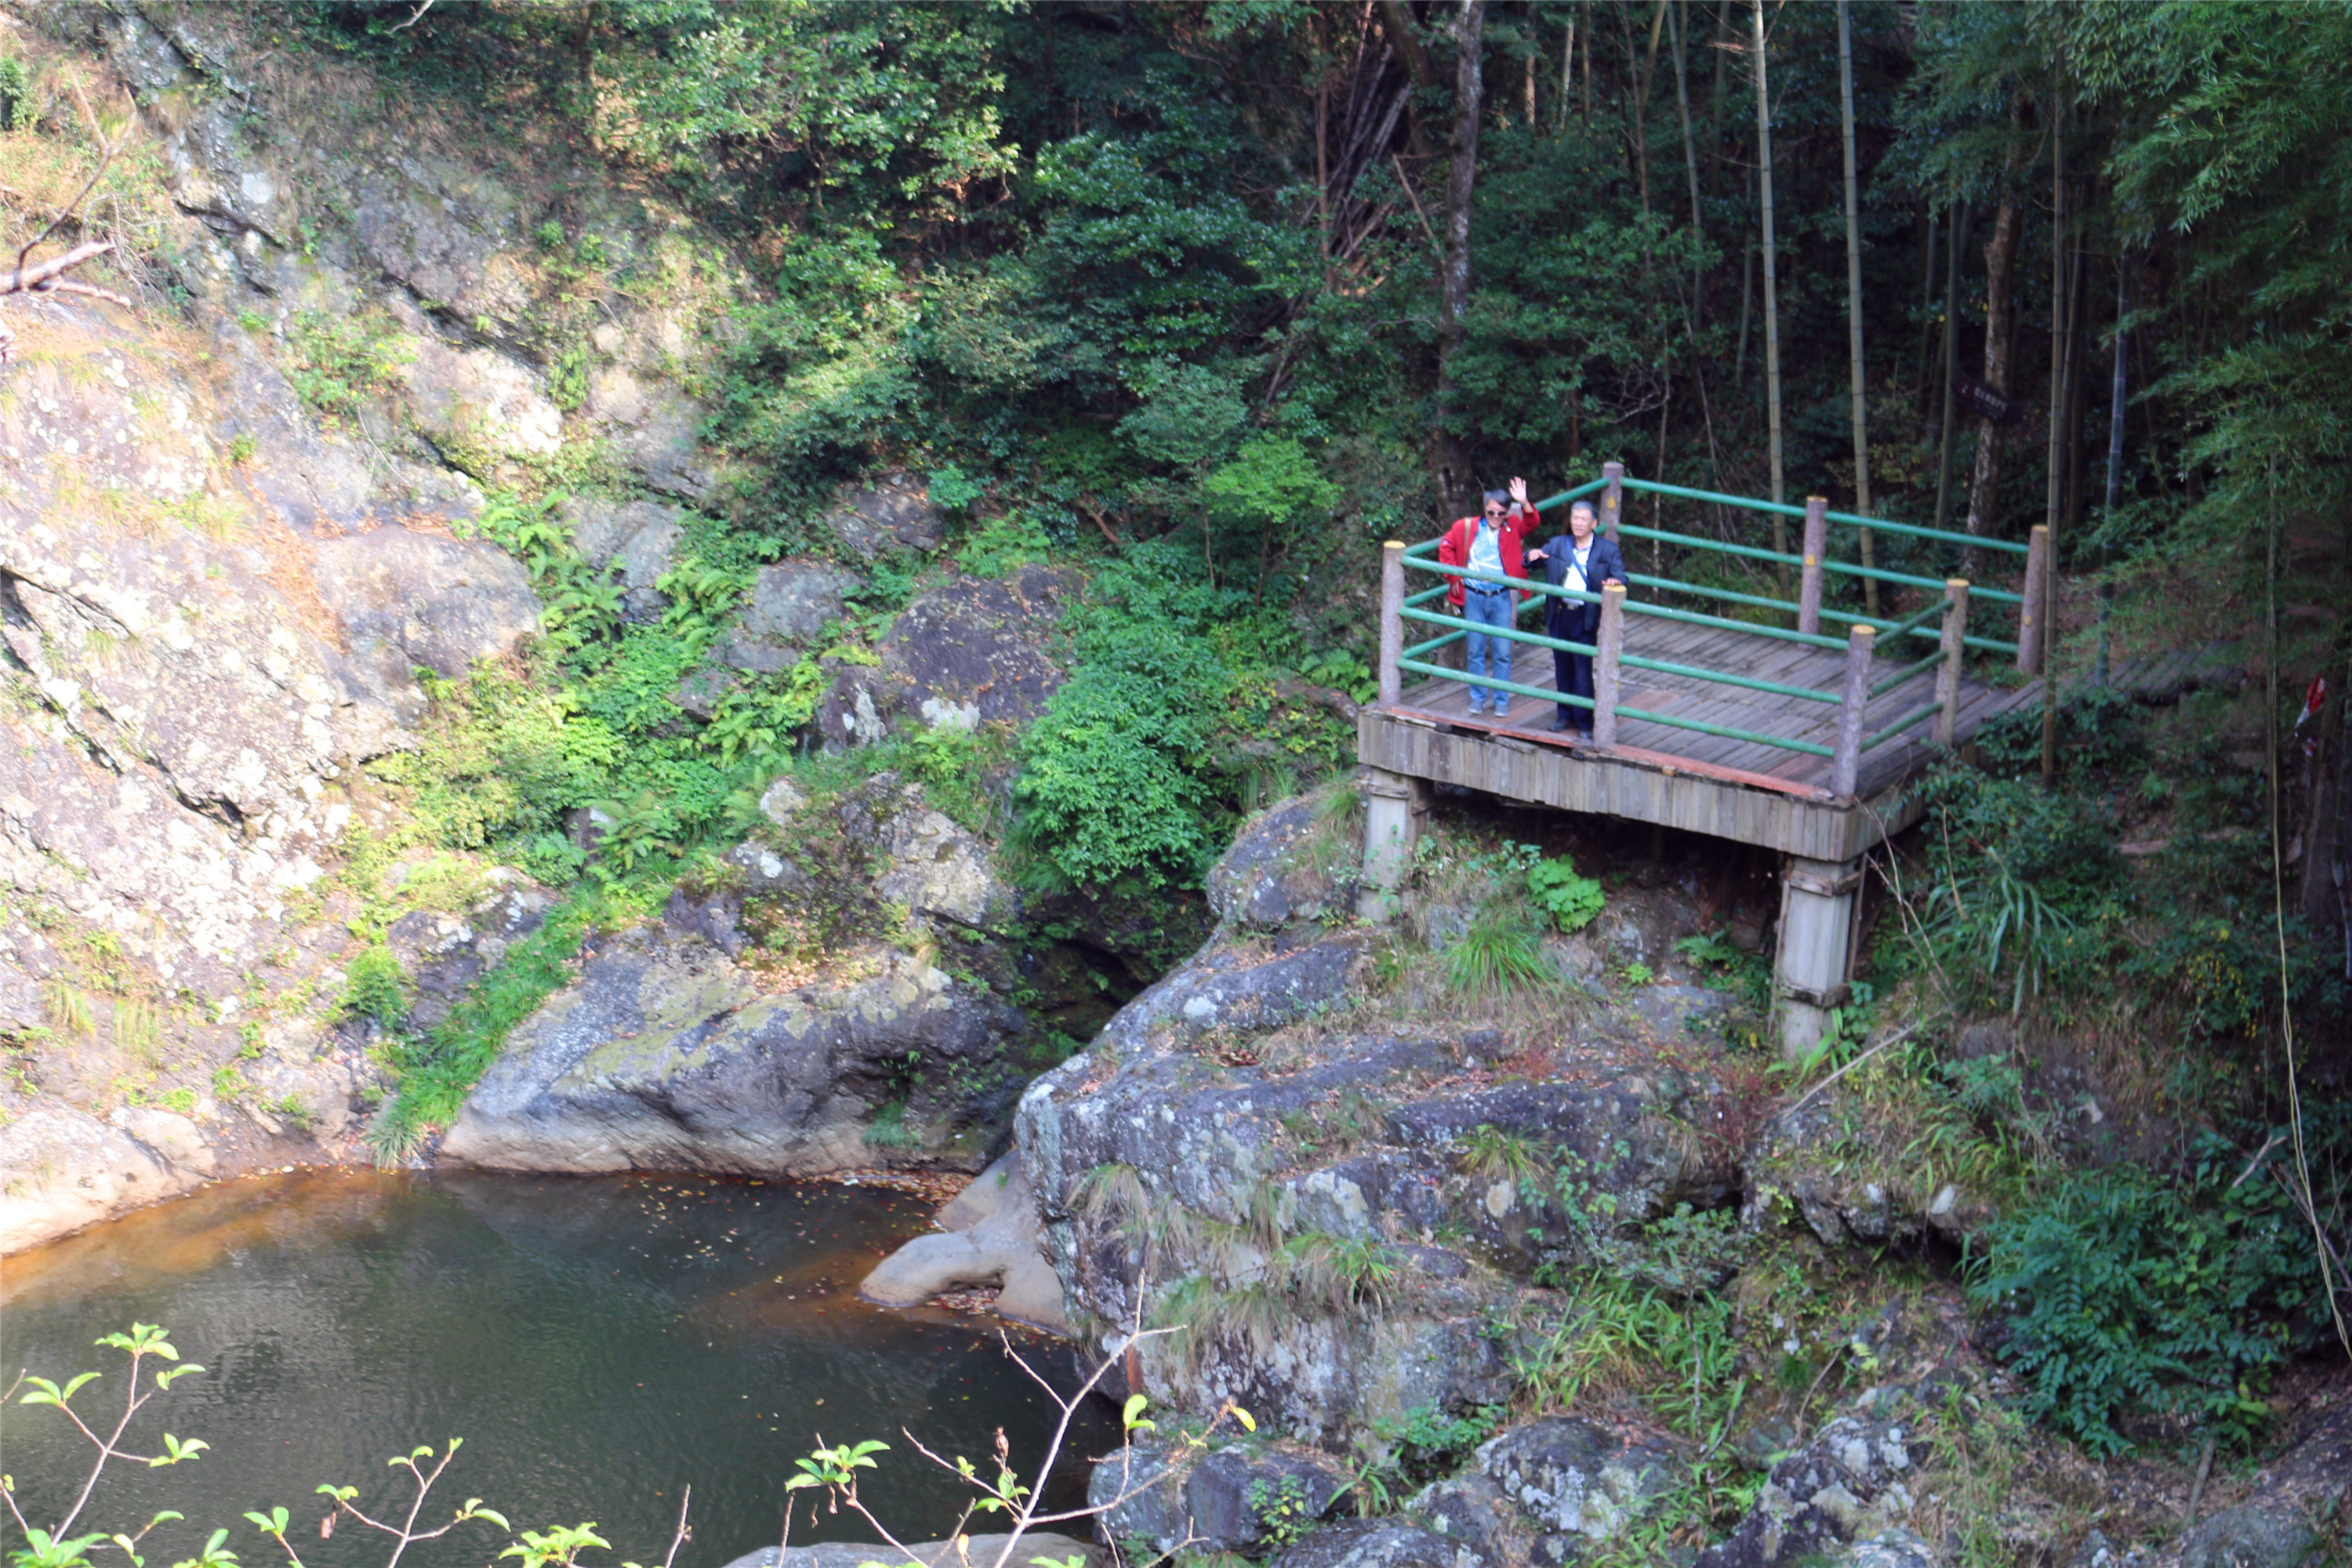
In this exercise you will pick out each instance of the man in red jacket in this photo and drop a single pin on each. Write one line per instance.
(1489, 543)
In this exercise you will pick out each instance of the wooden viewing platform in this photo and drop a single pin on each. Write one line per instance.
(1747, 791)
(1750, 729)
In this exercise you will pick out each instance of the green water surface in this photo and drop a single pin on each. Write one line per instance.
(599, 1342)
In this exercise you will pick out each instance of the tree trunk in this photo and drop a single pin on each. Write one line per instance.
(2001, 260)
(2059, 308)
(2114, 456)
(1454, 283)
(1679, 19)
(1396, 19)
(1642, 77)
(1567, 77)
(1853, 306)
(1771, 303)
(1690, 143)
(1955, 243)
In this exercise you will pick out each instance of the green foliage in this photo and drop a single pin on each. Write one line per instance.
(1113, 789)
(373, 987)
(1571, 901)
(18, 106)
(338, 363)
(1500, 952)
(2026, 887)
(952, 489)
(435, 1073)
(888, 1129)
(1002, 545)
(1284, 1512)
(2130, 1294)
(557, 1547)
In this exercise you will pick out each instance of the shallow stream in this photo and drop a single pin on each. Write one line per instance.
(599, 1342)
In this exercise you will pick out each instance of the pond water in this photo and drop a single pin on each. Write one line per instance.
(599, 1342)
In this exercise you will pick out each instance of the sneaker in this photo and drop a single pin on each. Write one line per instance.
(1558, 726)
(1502, 708)
(1478, 705)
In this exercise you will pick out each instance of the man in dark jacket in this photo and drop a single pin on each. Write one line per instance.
(1578, 559)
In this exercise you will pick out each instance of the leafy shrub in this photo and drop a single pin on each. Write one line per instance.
(1571, 901)
(2128, 1294)
(338, 363)
(1004, 544)
(1111, 789)
(19, 107)
(372, 989)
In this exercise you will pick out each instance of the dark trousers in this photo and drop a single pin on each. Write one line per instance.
(1572, 676)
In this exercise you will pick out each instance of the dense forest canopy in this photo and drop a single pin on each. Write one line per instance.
(1179, 263)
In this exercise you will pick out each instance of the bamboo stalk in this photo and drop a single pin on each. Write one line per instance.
(2059, 307)
(1854, 302)
(1771, 304)
(1951, 356)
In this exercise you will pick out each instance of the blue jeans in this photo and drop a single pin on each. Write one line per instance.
(1483, 610)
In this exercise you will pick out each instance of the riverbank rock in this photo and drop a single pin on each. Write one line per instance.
(1851, 1485)
(666, 1055)
(65, 1169)
(796, 1017)
(1236, 1498)
(989, 1238)
(417, 599)
(1544, 1492)
(1378, 1543)
(966, 1551)
(971, 651)
(1261, 1123)
(2295, 1497)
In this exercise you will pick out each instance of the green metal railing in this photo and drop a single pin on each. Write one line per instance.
(1924, 623)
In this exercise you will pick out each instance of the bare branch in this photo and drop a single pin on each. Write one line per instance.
(414, 17)
(684, 1535)
(24, 280)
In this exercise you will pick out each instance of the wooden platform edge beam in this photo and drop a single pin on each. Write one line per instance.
(1657, 789)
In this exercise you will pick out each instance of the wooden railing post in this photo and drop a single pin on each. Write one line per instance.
(1817, 544)
(1608, 648)
(1947, 674)
(1612, 500)
(1845, 767)
(1392, 622)
(2037, 600)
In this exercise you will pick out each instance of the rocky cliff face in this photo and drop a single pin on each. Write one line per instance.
(685, 1045)
(1270, 1124)
(232, 555)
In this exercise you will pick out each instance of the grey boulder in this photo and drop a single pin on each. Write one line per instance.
(1378, 1543)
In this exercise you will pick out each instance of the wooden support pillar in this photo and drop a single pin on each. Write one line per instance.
(1817, 544)
(1612, 500)
(2037, 600)
(1392, 622)
(1947, 674)
(1395, 806)
(1817, 909)
(1845, 763)
(1609, 648)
